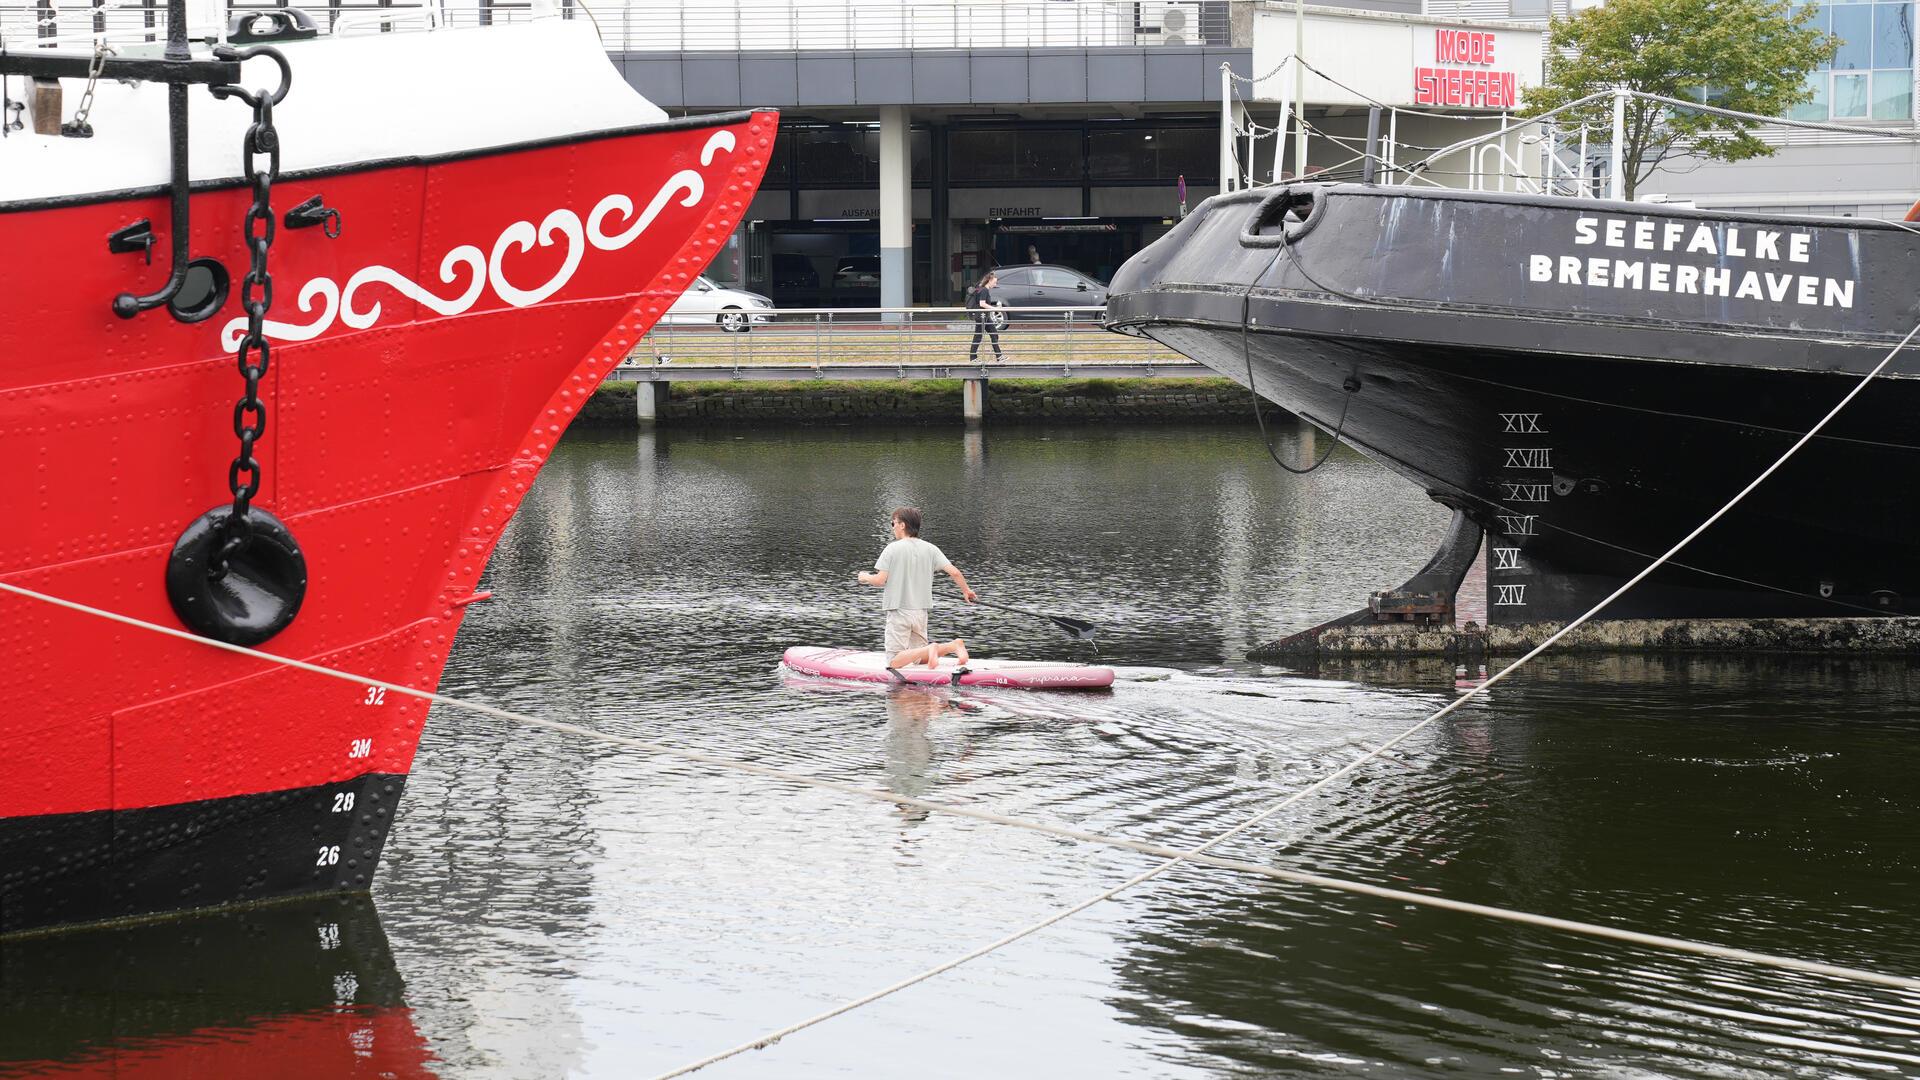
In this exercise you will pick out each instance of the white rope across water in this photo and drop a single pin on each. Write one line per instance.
(1173, 856)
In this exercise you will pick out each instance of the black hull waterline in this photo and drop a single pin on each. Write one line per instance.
(62, 869)
(1520, 367)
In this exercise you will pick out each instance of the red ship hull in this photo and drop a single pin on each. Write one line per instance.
(424, 363)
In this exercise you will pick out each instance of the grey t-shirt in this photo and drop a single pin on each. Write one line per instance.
(910, 565)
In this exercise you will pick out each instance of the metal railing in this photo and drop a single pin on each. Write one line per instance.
(703, 26)
(76, 26)
(798, 25)
(1557, 152)
(1544, 160)
(811, 339)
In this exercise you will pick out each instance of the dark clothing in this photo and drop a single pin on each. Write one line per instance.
(977, 300)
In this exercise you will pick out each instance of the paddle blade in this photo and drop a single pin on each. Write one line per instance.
(1076, 629)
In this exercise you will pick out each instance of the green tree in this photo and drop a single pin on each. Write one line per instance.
(1748, 55)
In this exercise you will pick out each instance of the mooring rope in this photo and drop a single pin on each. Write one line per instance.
(1173, 856)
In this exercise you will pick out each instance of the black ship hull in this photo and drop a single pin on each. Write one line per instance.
(101, 865)
(1586, 428)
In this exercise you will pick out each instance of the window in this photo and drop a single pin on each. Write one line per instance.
(836, 157)
(779, 165)
(1871, 76)
(1816, 108)
(1892, 36)
(1893, 95)
(1853, 25)
(1015, 277)
(1849, 96)
(1158, 153)
(920, 154)
(1049, 278)
(1016, 154)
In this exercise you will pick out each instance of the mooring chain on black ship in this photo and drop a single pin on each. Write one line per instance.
(1350, 384)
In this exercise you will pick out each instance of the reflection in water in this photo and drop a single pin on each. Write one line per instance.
(303, 989)
(1722, 812)
(909, 748)
(503, 841)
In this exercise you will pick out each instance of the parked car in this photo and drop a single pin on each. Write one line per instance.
(1046, 285)
(733, 309)
(857, 272)
(792, 270)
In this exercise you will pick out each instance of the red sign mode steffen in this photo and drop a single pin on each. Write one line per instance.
(1475, 86)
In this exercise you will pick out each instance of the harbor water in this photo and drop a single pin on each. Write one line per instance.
(554, 906)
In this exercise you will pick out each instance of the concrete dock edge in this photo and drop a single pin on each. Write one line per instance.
(1870, 636)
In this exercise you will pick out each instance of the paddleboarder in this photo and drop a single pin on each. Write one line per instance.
(905, 571)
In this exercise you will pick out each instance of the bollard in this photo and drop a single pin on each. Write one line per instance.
(973, 400)
(650, 399)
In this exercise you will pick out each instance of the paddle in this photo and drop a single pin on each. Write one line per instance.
(1077, 629)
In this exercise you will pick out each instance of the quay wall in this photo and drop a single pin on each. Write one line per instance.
(934, 401)
(1890, 636)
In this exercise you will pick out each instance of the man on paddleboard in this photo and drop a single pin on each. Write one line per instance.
(905, 570)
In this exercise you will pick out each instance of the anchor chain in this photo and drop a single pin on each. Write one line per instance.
(253, 354)
(78, 127)
(237, 574)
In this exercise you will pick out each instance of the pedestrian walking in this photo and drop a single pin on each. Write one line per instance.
(986, 309)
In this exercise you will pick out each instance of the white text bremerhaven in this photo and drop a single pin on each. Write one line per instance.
(1735, 242)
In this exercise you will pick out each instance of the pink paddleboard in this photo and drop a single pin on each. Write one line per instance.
(872, 667)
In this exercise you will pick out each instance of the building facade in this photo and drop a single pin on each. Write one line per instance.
(923, 143)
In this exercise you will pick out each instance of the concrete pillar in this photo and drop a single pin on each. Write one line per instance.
(973, 400)
(896, 209)
(650, 399)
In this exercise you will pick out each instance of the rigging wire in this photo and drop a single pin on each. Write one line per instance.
(1369, 99)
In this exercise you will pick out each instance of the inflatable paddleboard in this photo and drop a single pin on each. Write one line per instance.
(872, 667)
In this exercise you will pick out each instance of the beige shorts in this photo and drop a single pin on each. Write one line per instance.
(906, 629)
